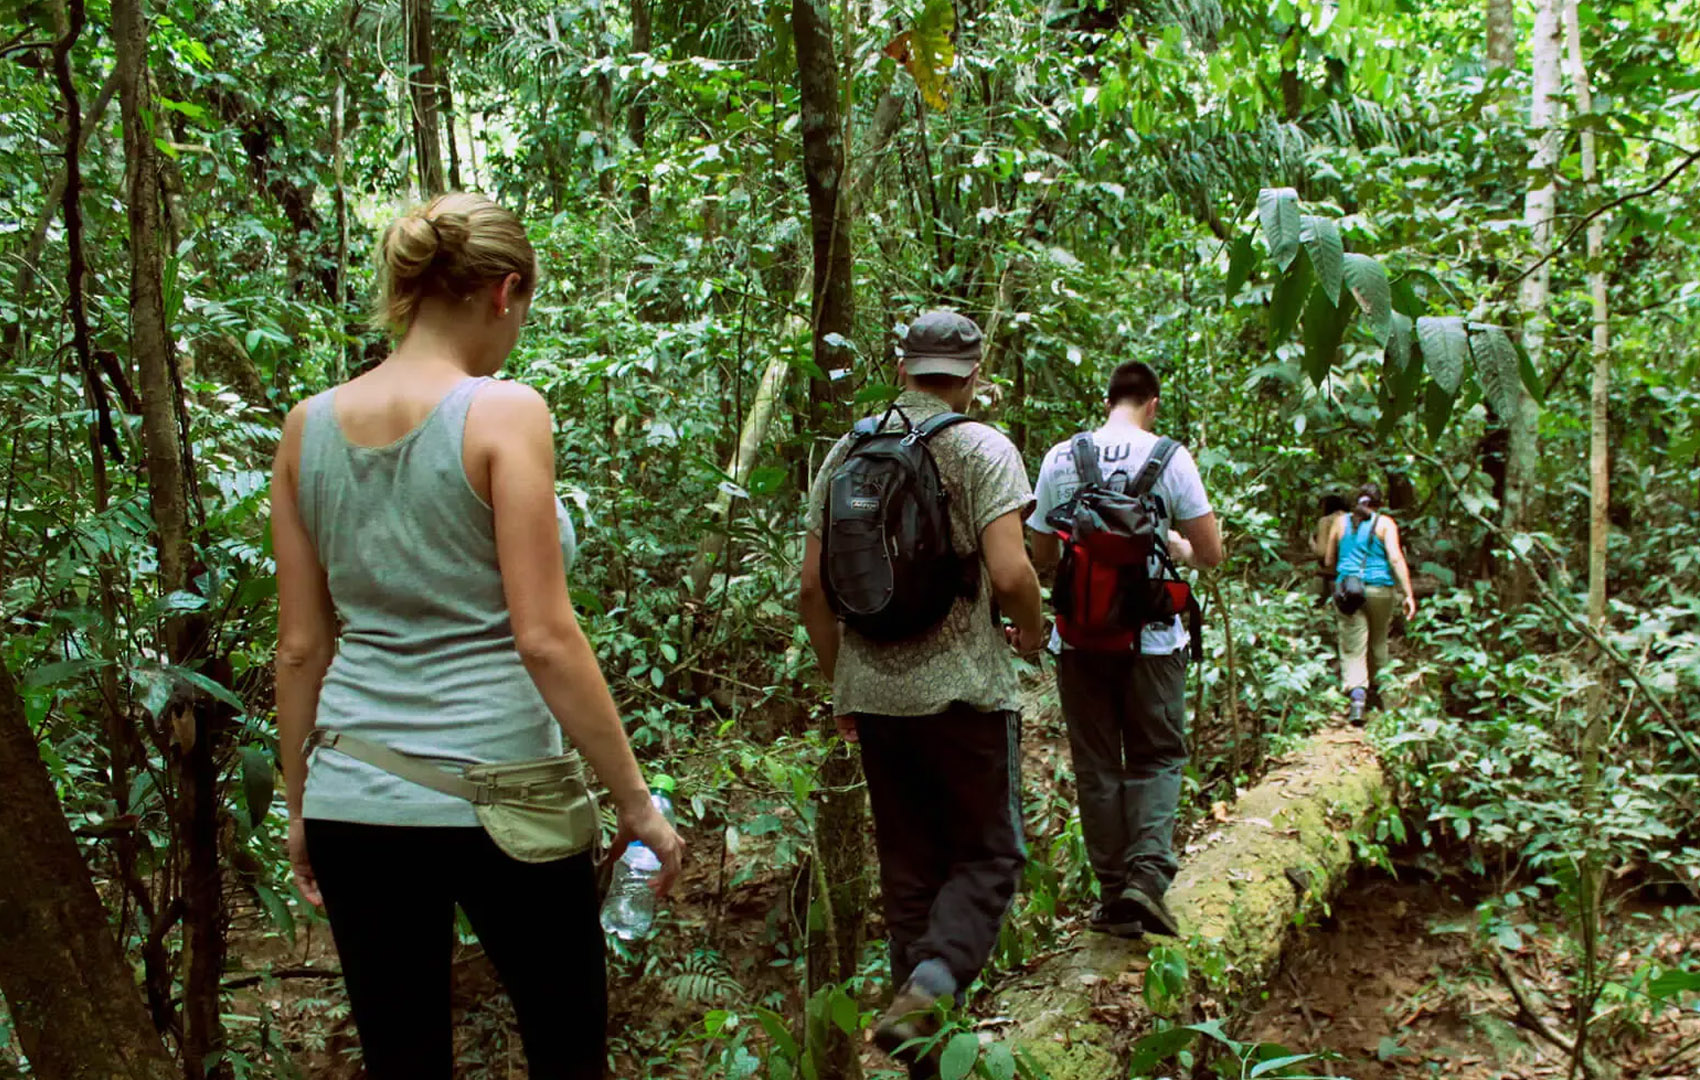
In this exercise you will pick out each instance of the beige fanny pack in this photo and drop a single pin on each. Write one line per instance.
(536, 811)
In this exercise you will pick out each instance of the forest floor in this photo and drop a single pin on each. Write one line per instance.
(1393, 982)
(1396, 984)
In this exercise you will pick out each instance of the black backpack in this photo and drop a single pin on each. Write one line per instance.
(1108, 588)
(890, 570)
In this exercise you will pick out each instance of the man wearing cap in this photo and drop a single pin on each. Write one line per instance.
(937, 716)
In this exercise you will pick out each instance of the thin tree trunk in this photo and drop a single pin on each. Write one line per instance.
(1501, 34)
(1501, 54)
(339, 129)
(71, 993)
(1539, 207)
(637, 117)
(1599, 528)
(423, 90)
(37, 242)
(840, 816)
(769, 394)
(449, 130)
(832, 307)
(195, 812)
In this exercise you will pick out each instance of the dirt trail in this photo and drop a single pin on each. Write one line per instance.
(1396, 985)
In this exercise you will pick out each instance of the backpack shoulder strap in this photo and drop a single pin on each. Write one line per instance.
(1366, 532)
(1154, 466)
(932, 425)
(1086, 460)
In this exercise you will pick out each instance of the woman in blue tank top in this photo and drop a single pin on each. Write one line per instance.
(1366, 543)
(422, 605)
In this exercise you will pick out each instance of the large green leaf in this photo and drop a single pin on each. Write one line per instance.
(1437, 409)
(999, 1062)
(1278, 209)
(1496, 367)
(1287, 302)
(1321, 238)
(931, 52)
(959, 1056)
(1669, 984)
(1399, 342)
(258, 784)
(1159, 1046)
(1367, 280)
(1324, 326)
(1446, 346)
(1241, 258)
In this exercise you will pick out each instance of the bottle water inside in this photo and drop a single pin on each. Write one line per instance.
(629, 911)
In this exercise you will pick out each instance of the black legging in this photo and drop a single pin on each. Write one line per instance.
(390, 892)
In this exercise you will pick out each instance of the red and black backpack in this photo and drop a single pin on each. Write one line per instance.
(1116, 576)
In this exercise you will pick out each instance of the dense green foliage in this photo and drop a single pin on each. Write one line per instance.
(1085, 181)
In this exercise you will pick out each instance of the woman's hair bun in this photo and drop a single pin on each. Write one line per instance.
(450, 246)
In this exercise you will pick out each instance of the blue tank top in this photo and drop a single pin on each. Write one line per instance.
(426, 662)
(1377, 570)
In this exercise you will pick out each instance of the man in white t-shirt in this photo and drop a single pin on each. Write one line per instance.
(1127, 715)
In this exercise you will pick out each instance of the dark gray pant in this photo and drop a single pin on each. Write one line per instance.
(946, 796)
(1126, 717)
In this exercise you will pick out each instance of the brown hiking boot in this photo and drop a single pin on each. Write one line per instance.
(912, 1015)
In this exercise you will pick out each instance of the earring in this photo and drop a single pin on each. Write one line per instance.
(504, 313)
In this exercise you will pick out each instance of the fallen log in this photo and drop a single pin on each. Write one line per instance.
(1285, 847)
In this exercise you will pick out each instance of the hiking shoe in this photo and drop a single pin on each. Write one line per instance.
(1153, 913)
(911, 1016)
(1356, 716)
(1118, 917)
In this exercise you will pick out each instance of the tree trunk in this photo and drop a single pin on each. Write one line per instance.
(832, 307)
(1501, 34)
(1599, 529)
(769, 394)
(348, 353)
(449, 133)
(637, 117)
(422, 90)
(1539, 207)
(70, 991)
(55, 197)
(195, 812)
(1501, 54)
(840, 815)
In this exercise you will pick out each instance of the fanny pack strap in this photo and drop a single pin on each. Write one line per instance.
(398, 764)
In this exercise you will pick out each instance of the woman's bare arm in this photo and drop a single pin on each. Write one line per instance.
(306, 636)
(1396, 558)
(511, 428)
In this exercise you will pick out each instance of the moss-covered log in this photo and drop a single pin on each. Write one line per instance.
(1271, 865)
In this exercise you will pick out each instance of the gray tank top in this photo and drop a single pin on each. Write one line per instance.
(426, 662)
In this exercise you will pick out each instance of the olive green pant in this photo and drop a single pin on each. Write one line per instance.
(1363, 637)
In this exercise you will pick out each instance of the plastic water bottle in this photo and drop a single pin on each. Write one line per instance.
(629, 910)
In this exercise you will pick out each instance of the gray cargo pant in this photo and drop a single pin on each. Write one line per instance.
(1126, 717)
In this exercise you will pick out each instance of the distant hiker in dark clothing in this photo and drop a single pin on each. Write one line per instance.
(1366, 544)
(1126, 714)
(1333, 509)
(898, 604)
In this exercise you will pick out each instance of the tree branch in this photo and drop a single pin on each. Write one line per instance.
(1529, 1018)
(1693, 156)
(263, 977)
(24, 46)
(1576, 622)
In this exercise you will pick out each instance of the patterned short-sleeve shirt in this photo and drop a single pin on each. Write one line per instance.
(966, 659)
